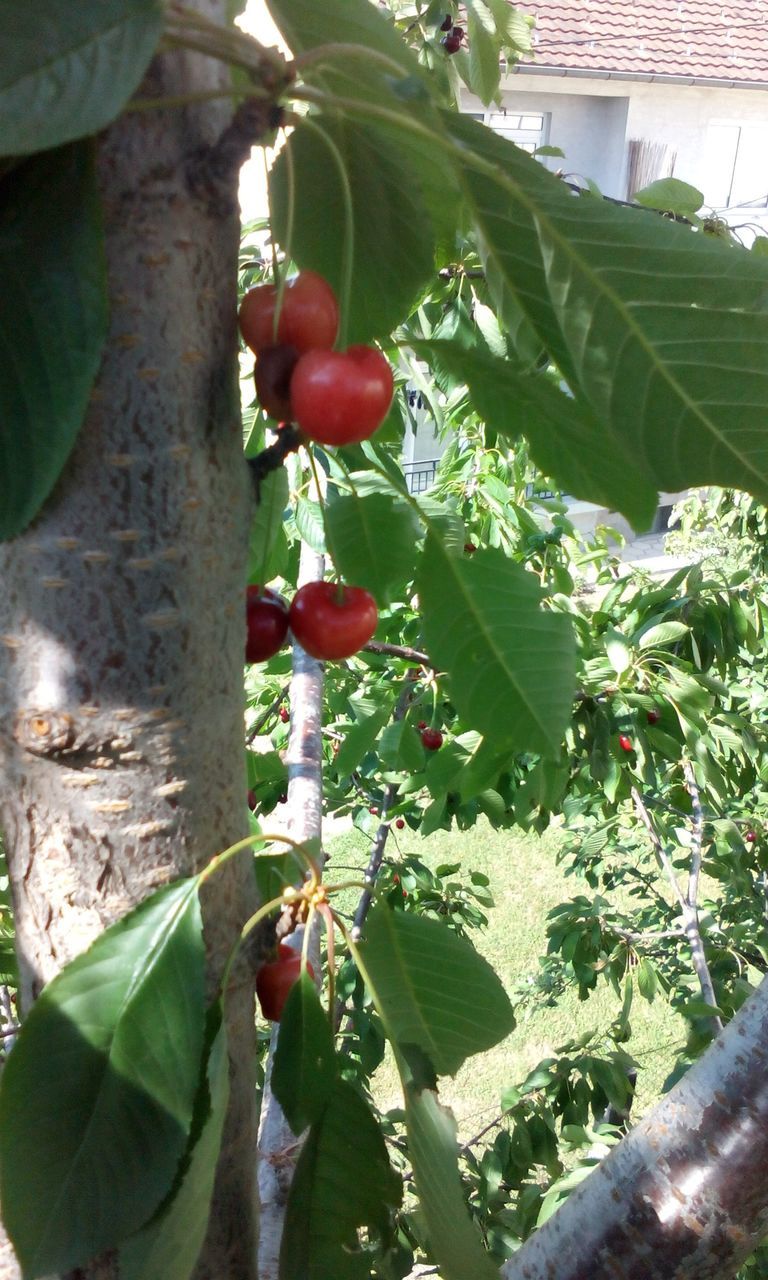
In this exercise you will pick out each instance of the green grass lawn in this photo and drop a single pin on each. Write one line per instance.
(526, 882)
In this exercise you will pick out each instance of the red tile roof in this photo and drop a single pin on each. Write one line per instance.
(704, 39)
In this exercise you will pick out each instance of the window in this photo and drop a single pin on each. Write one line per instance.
(529, 129)
(736, 165)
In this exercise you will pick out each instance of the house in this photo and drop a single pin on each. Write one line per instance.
(635, 90)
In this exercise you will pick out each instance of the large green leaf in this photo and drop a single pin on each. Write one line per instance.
(267, 524)
(511, 663)
(391, 238)
(373, 541)
(433, 989)
(664, 332)
(304, 1067)
(97, 1097)
(306, 24)
(53, 320)
(484, 51)
(67, 69)
(169, 1246)
(343, 1181)
(432, 1148)
(567, 439)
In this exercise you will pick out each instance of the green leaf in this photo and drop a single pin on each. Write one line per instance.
(304, 1067)
(309, 522)
(53, 319)
(680, 378)
(169, 1246)
(97, 1097)
(484, 52)
(662, 633)
(359, 738)
(433, 989)
(267, 524)
(670, 195)
(343, 1181)
(391, 238)
(373, 542)
(511, 664)
(567, 439)
(68, 69)
(619, 650)
(306, 24)
(432, 1148)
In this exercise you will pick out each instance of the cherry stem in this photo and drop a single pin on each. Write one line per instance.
(226, 855)
(348, 243)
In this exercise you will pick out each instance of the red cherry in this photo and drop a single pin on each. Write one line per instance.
(625, 743)
(284, 714)
(332, 621)
(400, 823)
(654, 716)
(266, 617)
(751, 837)
(374, 809)
(309, 315)
(283, 799)
(432, 739)
(452, 43)
(252, 801)
(274, 981)
(470, 548)
(447, 23)
(422, 724)
(341, 397)
(272, 375)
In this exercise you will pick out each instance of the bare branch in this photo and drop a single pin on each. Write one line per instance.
(267, 715)
(272, 458)
(400, 651)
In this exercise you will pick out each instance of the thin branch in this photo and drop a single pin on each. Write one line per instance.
(400, 651)
(661, 853)
(493, 1124)
(212, 170)
(272, 458)
(267, 715)
(697, 833)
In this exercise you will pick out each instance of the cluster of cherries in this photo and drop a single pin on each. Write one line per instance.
(334, 398)
(653, 717)
(330, 621)
(454, 36)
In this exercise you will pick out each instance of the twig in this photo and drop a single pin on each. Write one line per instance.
(272, 458)
(688, 909)
(256, 728)
(691, 914)
(211, 171)
(497, 1120)
(697, 833)
(400, 651)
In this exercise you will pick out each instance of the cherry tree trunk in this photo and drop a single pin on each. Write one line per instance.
(121, 611)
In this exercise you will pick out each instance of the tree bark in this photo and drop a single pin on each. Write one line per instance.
(682, 1197)
(279, 1148)
(121, 615)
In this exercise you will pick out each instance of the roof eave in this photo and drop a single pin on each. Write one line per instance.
(642, 77)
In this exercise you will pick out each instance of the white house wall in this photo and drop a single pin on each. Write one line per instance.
(720, 135)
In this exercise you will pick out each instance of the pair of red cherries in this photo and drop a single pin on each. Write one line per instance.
(330, 621)
(334, 397)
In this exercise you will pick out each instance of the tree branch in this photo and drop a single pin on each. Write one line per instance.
(684, 1193)
(272, 458)
(400, 651)
(266, 716)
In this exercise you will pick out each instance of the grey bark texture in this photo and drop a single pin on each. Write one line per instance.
(682, 1197)
(121, 613)
(278, 1147)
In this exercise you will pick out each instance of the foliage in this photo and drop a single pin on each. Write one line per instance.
(634, 709)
